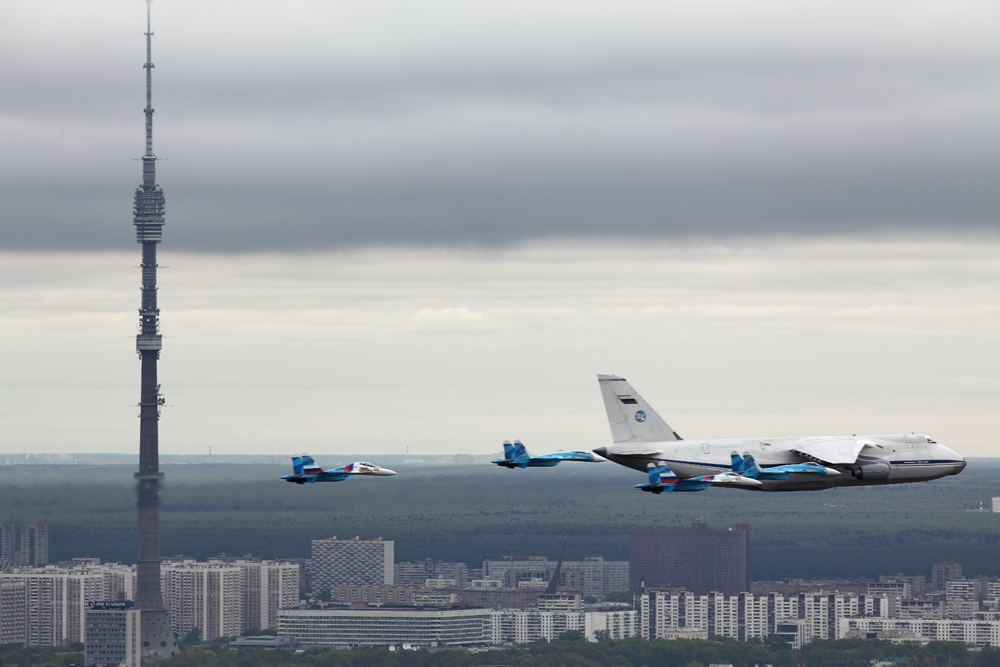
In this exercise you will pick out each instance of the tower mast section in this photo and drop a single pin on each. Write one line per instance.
(149, 211)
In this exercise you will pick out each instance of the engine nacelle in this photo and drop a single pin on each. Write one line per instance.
(875, 471)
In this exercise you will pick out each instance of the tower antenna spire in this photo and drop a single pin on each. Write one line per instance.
(149, 86)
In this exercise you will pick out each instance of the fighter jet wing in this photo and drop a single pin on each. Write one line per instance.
(831, 451)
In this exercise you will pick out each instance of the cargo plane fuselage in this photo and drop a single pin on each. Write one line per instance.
(643, 438)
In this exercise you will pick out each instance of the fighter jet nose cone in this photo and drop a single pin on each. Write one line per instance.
(601, 451)
(386, 471)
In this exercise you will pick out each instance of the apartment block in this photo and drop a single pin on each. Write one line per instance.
(55, 602)
(970, 632)
(745, 615)
(267, 587)
(944, 572)
(34, 544)
(591, 576)
(114, 637)
(387, 625)
(352, 562)
(393, 595)
(699, 559)
(10, 555)
(418, 572)
(13, 612)
(207, 596)
(28, 547)
(524, 626)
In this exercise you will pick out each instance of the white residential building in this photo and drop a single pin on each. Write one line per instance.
(267, 587)
(207, 596)
(386, 625)
(745, 616)
(523, 626)
(55, 601)
(353, 562)
(971, 632)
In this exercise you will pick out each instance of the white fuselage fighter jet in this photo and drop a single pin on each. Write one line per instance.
(642, 439)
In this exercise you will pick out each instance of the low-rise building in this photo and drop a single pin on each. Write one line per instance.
(970, 632)
(394, 596)
(385, 625)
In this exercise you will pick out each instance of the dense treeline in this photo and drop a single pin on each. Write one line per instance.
(472, 513)
(574, 652)
(15, 654)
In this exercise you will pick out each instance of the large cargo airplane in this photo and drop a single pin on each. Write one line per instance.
(642, 438)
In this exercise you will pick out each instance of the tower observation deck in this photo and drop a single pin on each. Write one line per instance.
(148, 211)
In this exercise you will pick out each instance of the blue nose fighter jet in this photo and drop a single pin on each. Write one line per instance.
(306, 471)
(516, 456)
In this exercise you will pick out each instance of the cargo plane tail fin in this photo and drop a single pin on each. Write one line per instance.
(630, 417)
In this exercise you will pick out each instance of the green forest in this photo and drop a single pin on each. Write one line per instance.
(472, 513)
(568, 651)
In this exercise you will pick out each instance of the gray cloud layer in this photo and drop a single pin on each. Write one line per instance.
(313, 125)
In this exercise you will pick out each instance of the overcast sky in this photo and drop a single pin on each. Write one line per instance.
(396, 224)
(292, 125)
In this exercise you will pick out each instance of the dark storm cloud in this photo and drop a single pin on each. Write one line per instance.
(304, 126)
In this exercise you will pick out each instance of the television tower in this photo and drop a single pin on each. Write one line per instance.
(157, 638)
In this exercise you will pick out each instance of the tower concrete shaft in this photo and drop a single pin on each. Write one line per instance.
(148, 214)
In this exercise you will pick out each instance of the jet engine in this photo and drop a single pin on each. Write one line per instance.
(871, 470)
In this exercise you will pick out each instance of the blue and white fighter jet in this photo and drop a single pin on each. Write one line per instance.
(516, 456)
(306, 471)
(747, 467)
(662, 479)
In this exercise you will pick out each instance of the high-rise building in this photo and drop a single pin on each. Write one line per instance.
(944, 572)
(9, 553)
(698, 559)
(148, 217)
(207, 596)
(56, 601)
(34, 544)
(352, 562)
(113, 637)
(13, 612)
(29, 548)
(267, 587)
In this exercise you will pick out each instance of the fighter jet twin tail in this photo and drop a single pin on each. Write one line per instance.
(643, 441)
